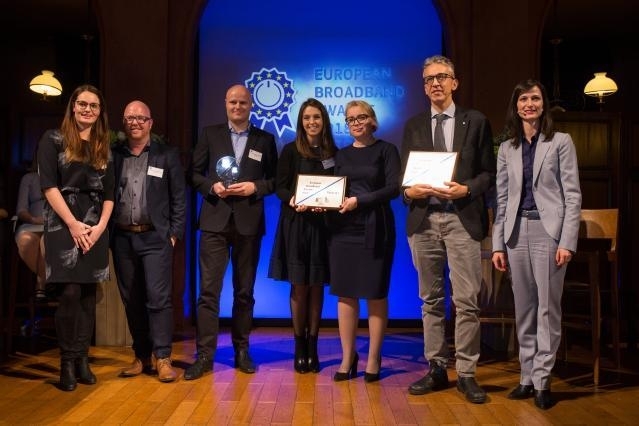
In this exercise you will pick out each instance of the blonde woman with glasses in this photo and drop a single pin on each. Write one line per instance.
(362, 241)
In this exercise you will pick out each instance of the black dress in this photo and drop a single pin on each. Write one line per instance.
(362, 241)
(84, 189)
(300, 253)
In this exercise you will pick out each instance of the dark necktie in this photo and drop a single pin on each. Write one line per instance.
(440, 142)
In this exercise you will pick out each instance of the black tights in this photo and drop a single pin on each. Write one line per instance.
(75, 319)
(306, 309)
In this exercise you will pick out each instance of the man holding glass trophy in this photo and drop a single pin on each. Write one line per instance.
(233, 168)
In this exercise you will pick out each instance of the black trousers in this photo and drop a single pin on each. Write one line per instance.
(215, 250)
(144, 268)
(75, 319)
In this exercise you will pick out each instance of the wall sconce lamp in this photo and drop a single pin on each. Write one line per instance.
(599, 87)
(46, 84)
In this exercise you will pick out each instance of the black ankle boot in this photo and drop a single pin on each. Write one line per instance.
(67, 375)
(300, 363)
(83, 372)
(313, 360)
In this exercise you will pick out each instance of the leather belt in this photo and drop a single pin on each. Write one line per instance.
(443, 207)
(136, 228)
(529, 214)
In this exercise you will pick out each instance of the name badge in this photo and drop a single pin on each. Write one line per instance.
(328, 163)
(255, 155)
(155, 171)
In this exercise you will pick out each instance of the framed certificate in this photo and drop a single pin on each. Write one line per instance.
(430, 168)
(326, 192)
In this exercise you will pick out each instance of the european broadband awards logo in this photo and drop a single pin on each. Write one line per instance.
(273, 95)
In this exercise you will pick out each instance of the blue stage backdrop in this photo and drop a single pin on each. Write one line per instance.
(335, 51)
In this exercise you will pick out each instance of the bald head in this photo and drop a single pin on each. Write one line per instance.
(238, 90)
(238, 106)
(137, 123)
(137, 106)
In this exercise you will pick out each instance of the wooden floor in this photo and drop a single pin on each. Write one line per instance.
(275, 395)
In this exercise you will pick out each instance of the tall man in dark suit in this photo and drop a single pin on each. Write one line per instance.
(147, 220)
(447, 224)
(231, 223)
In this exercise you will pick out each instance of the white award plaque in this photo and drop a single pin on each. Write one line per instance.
(430, 168)
(326, 192)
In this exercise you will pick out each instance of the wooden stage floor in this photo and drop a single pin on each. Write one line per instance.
(276, 395)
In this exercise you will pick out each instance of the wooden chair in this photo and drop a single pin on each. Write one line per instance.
(597, 247)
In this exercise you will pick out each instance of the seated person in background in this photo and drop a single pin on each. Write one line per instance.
(28, 234)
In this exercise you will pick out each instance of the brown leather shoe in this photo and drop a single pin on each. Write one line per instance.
(165, 372)
(137, 367)
(153, 366)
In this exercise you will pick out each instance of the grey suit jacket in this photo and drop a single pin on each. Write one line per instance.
(555, 189)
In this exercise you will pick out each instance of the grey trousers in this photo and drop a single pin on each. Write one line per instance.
(537, 288)
(446, 240)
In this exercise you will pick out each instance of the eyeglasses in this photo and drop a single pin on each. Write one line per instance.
(95, 107)
(441, 78)
(139, 118)
(360, 119)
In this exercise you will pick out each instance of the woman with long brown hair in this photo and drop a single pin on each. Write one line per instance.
(300, 252)
(76, 176)
(536, 230)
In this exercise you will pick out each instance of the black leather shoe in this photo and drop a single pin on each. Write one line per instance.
(350, 374)
(300, 359)
(243, 362)
(471, 390)
(198, 368)
(436, 379)
(373, 377)
(83, 373)
(68, 381)
(313, 359)
(521, 392)
(543, 399)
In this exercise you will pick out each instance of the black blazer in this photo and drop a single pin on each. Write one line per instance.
(476, 167)
(165, 196)
(258, 165)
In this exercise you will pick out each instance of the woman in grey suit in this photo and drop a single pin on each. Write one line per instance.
(535, 230)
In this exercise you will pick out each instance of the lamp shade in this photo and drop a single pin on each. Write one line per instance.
(600, 86)
(46, 84)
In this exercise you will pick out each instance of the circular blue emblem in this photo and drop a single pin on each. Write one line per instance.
(273, 94)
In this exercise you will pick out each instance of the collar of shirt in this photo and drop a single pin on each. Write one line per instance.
(450, 111)
(533, 140)
(241, 132)
(146, 148)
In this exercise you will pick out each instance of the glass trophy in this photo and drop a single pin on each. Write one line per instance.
(228, 170)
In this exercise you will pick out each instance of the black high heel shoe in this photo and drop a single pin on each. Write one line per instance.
(350, 374)
(373, 377)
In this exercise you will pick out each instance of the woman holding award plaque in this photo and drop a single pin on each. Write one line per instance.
(300, 254)
(362, 241)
